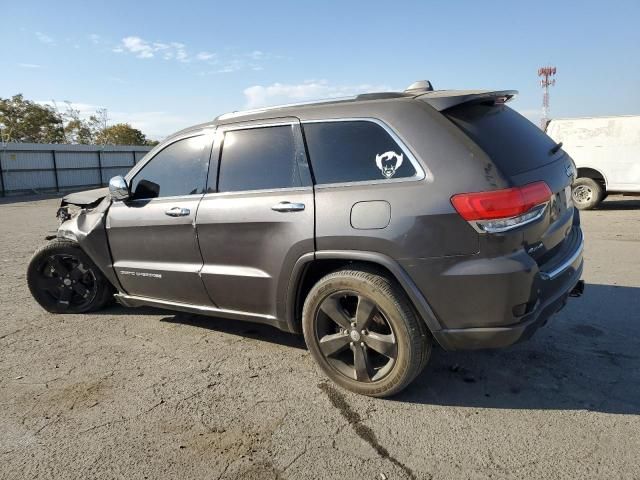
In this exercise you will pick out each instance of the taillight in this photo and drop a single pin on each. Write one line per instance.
(501, 210)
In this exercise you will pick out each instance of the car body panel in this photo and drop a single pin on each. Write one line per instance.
(246, 245)
(156, 255)
(248, 248)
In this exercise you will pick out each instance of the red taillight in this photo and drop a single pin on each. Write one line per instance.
(509, 202)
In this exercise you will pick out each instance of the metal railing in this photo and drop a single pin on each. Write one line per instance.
(42, 168)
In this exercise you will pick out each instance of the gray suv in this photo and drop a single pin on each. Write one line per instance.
(374, 225)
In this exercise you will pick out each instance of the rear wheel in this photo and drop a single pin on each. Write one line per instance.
(587, 193)
(63, 279)
(361, 330)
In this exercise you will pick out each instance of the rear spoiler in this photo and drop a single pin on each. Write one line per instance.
(444, 99)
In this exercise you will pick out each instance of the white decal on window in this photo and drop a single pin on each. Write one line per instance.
(388, 163)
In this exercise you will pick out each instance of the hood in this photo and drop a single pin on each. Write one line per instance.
(88, 198)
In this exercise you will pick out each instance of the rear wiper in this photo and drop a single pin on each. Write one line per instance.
(555, 148)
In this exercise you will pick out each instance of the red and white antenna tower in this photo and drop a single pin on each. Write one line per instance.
(546, 75)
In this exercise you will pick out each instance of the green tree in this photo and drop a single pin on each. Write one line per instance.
(26, 121)
(121, 134)
(78, 130)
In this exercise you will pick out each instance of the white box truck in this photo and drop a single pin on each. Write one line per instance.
(606, 151)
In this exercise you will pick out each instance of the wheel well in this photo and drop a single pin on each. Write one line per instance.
(316, 269)
(593, 174)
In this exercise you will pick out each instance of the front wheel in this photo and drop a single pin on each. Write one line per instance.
(587, 193)
(63, 279)
(362, 331)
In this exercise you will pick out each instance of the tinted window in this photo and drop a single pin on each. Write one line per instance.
(354, 151)
(179, 169)
(258, 158)
(514, 143)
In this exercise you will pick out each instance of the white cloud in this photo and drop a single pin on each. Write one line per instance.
(137, 46)
(182, 56)
(277, 93)
(179, 52)
(205, 56)
(29, 65)
(45, 38)
(144, 49)
(95, 38)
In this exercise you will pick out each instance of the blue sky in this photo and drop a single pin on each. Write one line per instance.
(164, 65)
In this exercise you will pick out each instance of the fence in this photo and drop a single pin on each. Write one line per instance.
(34, 167)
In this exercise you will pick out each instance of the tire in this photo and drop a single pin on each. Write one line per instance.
(587, 193)
(386, 323)
(63, 279)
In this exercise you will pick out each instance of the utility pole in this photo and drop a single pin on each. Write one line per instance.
(547, 80)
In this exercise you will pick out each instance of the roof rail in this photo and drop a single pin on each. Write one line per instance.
(240, 113)
(416, 88)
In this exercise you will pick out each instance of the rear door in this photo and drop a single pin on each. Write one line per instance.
(260, 219)
(152, 235)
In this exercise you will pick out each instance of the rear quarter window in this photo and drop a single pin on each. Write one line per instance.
(514, 144)
(354, 151)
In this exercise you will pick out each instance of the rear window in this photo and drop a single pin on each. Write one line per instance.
(258, 159)
(514, 143)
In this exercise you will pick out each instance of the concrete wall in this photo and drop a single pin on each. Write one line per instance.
(29, 167)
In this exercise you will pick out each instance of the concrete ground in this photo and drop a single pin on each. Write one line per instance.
(149, 394)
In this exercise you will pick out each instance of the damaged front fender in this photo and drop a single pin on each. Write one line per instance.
(88, 229)
(86, 199)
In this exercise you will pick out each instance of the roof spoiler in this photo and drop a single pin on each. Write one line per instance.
(444, 99)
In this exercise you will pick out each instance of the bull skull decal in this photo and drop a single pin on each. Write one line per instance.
(388, 163)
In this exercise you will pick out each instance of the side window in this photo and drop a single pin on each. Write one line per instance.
(179, 169)
(258, 158)
(354, 151)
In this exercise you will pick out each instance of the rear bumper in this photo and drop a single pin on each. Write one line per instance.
(553, 285)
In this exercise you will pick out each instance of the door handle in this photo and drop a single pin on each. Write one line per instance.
(288, 207)
(178, 212)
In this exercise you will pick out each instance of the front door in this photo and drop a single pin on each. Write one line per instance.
(152, 235)
(260, 221)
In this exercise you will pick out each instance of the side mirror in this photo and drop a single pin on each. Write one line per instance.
(118, 188)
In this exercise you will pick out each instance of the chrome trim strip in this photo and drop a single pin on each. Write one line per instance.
(233, 271)
(265, 191)
(232, 127)
(195, 308)
(148, 266)
(566, 264)
(194, 196)
(421, 174)
(478, 225)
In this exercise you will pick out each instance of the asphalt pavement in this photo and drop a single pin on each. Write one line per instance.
(147, 394)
